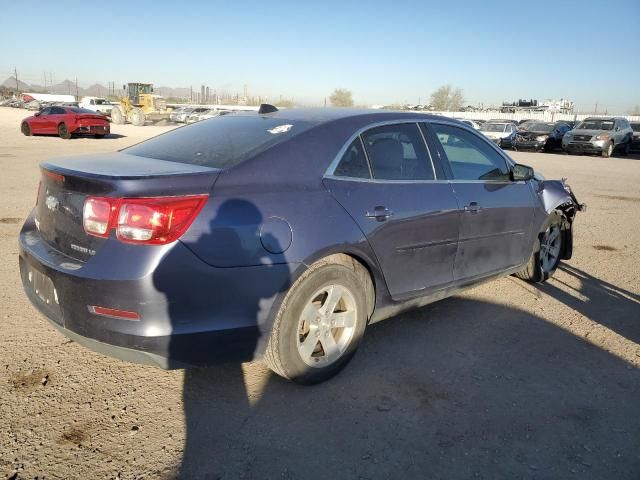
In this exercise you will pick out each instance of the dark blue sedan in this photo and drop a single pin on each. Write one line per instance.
(281, 235)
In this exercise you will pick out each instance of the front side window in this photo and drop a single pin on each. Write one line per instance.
(397, 152)
(470, 157)
(353, 163)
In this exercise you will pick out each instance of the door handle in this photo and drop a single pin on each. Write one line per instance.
(473, 207)
(380, 213)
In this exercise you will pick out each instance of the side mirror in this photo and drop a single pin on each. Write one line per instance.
(37, 114)
(521, 173)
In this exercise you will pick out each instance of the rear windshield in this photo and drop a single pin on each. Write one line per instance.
(219, 142)
(80, 110)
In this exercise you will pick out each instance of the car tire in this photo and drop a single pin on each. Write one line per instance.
(547, 252)
(99, 135)
(117, 116)
(608, 151)
(25, 129)
(137, 117)
(627, 148)
(63, 131)
(304, 328)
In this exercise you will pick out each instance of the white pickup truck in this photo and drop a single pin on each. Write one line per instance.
(97, 104)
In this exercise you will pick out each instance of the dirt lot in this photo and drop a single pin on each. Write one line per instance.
(508, 380)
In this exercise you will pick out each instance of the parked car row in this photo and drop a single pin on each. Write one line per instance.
(594, 135)
(34, 105)
(194, 114)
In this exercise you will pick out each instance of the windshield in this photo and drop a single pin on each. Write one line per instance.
(220, 142)
(100, 101)
(540, 127)
(635, 127)
(596, 125)
(493, 127)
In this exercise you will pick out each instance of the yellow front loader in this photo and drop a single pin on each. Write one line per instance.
(140, 105)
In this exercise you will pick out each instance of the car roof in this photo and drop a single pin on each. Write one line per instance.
(324, 115)
(603, 118)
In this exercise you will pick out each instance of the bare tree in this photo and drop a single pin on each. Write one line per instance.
(341, 97)
(447, 99)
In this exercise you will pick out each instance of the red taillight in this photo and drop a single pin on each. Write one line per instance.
(114, 313)
(155, 221)
(97, 215)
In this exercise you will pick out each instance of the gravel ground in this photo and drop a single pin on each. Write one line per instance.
(508, 380)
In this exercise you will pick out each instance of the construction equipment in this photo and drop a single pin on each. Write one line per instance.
(140, 105)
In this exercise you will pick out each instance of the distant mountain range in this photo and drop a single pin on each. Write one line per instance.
(67, 87)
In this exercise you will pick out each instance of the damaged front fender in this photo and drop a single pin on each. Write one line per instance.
(556, 195)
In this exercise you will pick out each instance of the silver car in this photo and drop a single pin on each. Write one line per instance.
(599, 135)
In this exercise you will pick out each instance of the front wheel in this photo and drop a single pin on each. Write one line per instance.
(608, 150)
(63, 131)
(546, 257)
(26, 130)
(321, 321)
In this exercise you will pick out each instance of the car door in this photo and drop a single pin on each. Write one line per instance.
(55, 119)
(496, 214)
(39, 123)
(386, 181)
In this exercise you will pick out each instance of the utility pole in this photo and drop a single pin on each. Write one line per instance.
(596, 112)
(15, 74)
(77, 96)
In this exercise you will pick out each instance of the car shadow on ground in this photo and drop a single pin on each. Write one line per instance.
(458, 389)
(605, 303)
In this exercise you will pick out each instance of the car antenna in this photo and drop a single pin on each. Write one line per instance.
(266, 108)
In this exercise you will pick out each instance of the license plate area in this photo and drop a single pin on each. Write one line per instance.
(43, 287)
(44, 291)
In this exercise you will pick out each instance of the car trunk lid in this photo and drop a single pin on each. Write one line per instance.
(67, 182)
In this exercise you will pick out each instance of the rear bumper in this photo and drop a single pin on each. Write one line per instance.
(92, 130)
(190, 313)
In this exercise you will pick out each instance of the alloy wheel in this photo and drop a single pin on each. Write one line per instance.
(550, 248)
(326, 326)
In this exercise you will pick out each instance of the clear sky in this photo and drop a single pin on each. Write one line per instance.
(384, 52)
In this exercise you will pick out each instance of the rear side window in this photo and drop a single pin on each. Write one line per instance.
(397, 152)
(353, 163)
(469, 156)
(220, 142)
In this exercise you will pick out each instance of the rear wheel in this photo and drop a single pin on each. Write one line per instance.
(546, 257)
(608, 150)
(117, 116)
(99, 135)
(63, 131)
(26, 130)
(321, 321)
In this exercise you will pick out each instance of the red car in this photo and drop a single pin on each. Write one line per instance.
(66, 121)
